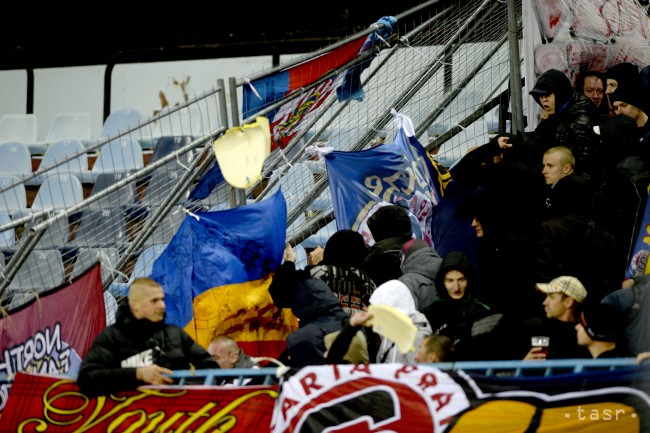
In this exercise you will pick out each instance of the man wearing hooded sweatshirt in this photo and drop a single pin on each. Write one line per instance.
(139, 349)
(568, 119)
(420, 264)
(396, 294)
(456, 311)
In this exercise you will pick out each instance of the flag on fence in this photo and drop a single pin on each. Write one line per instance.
(216, 271)
(52, 333)
(351, 86)
(639, 261)
(265, 91)
(210, 179)
(395, 173)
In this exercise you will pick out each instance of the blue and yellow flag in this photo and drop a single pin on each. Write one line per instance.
(216, 271)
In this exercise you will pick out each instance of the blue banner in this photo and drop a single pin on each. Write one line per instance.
(395, 173)
(639, 261)
(351, 86)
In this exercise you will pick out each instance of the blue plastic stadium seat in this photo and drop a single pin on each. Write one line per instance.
(69, 126)
(144, 263)
(121, 197)
(58, 192)
(56, 235)
(13, 196)
(160, 184)
(120, 121)
(142, 268)
(87, 257)
(7, 237)
(42, 270)
(168, 144)
(118, 156)
(101, 228)
(64, 156)
(15, 159)
(178, 121)
(165, 230)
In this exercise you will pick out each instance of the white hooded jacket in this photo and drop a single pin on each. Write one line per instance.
(396, 294)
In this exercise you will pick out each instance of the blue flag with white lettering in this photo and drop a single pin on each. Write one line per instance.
(395, 173)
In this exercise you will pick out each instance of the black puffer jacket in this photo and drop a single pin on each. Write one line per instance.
(320, 313)
(111, 362)
(571, 125)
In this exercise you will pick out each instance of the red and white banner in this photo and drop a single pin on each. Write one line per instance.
(367, 398)
(52, 333)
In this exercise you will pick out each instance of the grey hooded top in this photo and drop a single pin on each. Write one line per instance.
(420, 269)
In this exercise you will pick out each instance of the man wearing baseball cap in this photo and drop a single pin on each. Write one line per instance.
(598, 330)
(564, 298)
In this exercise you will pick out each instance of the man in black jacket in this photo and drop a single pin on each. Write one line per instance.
(390, 227)
(139, 349)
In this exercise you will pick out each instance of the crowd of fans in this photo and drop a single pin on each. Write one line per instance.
(553, 216)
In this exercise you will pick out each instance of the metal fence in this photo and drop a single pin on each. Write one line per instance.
(120, 199)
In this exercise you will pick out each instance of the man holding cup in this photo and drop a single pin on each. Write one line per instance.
(555, 337)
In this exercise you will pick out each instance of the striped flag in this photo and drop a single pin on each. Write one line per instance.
(267, 90)
(216, 271)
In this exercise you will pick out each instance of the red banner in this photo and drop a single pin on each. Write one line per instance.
(55, 405)
(52, 333)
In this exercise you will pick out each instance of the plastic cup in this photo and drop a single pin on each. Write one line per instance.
(541, 342)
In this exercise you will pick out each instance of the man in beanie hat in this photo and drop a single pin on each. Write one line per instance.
(619, 73)
(390, 227)
(564, 298)
(628, 95)
(340, 269)
(632, 100)
(598, 330)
